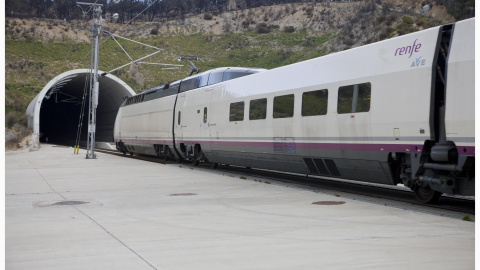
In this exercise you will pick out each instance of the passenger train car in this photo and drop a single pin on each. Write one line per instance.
(396, 111)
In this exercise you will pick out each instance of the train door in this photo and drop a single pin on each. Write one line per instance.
(214, 120)
(353, 107)
(179, 123)
(191, 126)
(206, 117)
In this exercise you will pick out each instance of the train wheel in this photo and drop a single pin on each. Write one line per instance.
(213, 165)
(427, 195)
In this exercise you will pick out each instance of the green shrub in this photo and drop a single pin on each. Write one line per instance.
(407, 19)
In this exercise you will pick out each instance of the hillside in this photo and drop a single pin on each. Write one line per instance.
(37, 50)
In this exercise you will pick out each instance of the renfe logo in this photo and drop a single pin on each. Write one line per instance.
(409, 49)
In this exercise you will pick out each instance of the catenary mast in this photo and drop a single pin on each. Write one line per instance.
(94, 85)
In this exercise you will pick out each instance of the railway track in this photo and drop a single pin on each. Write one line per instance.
(395, 196)
(391, 195)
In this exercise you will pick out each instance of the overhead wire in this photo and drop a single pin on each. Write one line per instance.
(124, 24)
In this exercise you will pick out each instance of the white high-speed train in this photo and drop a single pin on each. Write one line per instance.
(396, 111)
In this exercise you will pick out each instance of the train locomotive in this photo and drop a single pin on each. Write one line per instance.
(396, 111)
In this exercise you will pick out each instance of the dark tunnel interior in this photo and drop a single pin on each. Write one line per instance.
(61, 108)
(59, 122)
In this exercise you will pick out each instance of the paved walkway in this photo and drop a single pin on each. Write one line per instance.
(66, 212)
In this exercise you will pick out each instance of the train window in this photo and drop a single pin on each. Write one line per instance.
(179, 117)
(135, 99)
(236, 111)
(205, 115)
(229, 75)
(203, 80)
(215, 77)
(258, 109)
(315, 103)
(190, 84)
(159, 93)
(174, 87)
(283, 106)
(354, 98)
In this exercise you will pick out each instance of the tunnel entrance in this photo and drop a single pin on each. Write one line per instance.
(55, 112)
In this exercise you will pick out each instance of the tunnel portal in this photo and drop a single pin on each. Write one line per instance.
(54, 114)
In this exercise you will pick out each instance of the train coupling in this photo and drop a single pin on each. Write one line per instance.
(443, 182)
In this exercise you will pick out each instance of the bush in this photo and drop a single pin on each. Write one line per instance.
(262, 28)
(348, 41)
(309, 12)
(228, 27)
(390, 19)
(12, 118)
(15, 135)
(424, 22)
(154, 31)
(381, 19)
(208, 16)
(383, 34)
(207, 37)
(407, 19)
(289, 29)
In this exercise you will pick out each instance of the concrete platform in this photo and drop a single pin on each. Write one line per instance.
(142, 215)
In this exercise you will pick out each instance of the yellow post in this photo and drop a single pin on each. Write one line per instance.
(74, 149)
(78, 148)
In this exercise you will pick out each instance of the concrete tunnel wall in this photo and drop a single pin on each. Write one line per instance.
(55, 112)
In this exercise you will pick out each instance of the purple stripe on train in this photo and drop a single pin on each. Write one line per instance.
(462, 150)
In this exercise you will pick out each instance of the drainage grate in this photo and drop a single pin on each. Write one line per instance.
(328, 203)
(70, 203)
(183, 194)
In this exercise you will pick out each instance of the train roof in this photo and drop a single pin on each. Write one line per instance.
(202, 79)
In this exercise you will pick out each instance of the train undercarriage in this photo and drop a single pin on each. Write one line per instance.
(438, 169)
